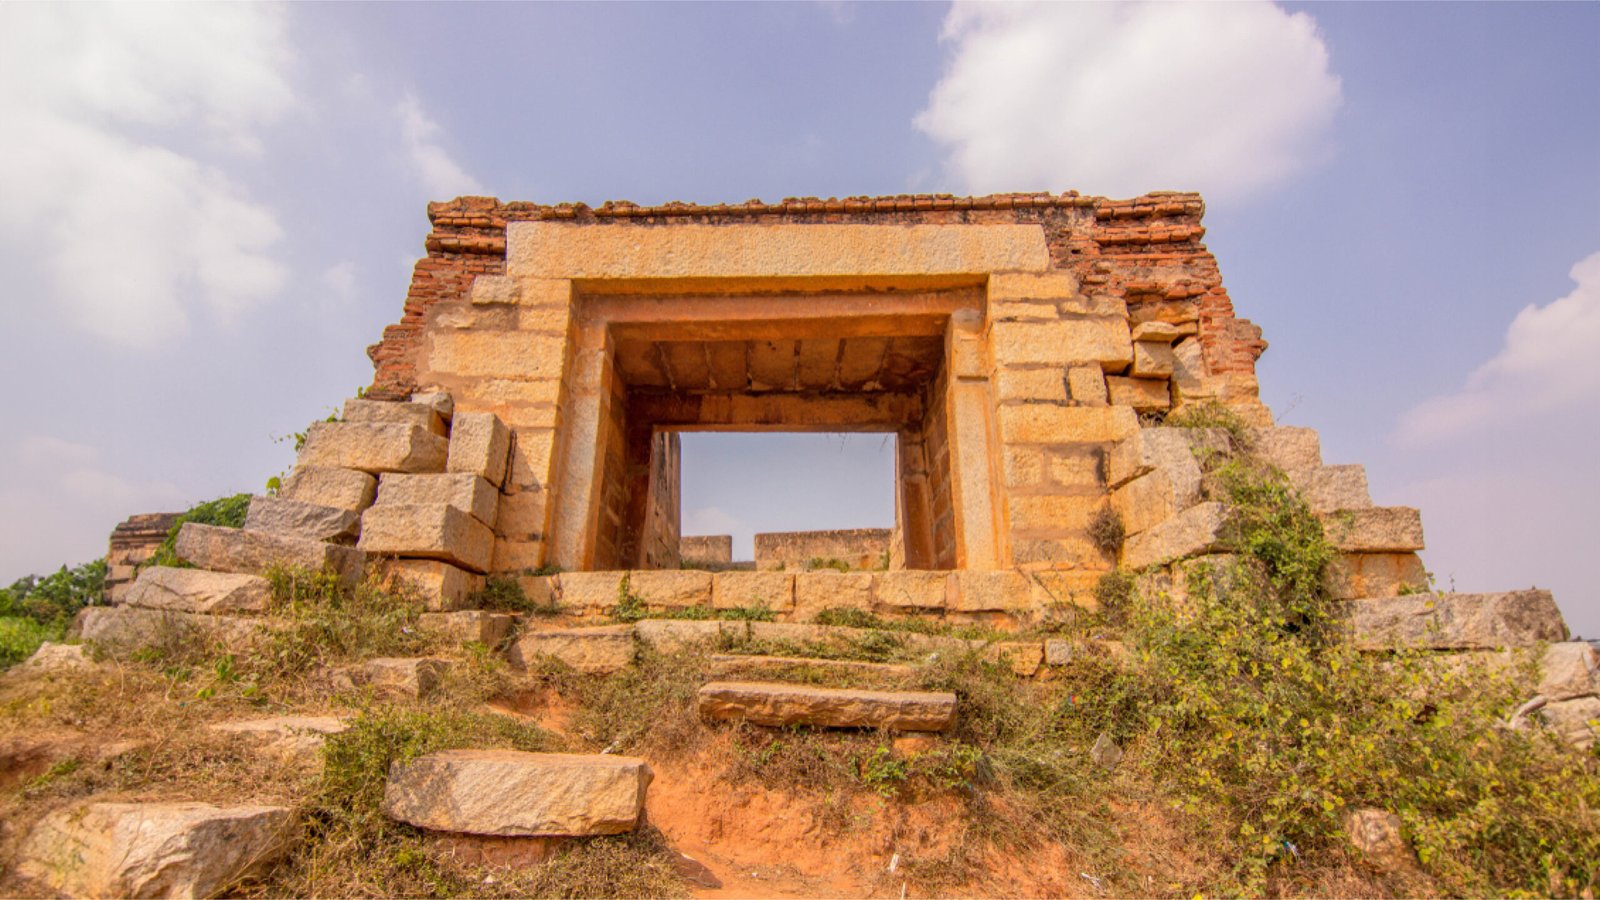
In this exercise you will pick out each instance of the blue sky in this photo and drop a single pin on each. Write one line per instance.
(211, 210)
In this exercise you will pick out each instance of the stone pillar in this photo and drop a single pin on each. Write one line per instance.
(913, 503)
(580, 466)
(974, 488)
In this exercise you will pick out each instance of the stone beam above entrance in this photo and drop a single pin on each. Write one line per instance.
(601, 252)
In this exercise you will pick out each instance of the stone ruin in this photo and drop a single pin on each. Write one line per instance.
(1024, 351)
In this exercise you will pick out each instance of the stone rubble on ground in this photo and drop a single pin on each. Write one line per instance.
(779, 704)
(154, 849)
(512, 793)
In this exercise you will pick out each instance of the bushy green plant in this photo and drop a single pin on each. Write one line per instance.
(52, 600)
(21, 636)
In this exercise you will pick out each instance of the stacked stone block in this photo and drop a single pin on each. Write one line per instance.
(433, 518)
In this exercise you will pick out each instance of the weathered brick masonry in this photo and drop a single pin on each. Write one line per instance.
(1145, 252)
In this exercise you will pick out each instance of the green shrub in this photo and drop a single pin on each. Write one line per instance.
(52, 600)
(20, 636)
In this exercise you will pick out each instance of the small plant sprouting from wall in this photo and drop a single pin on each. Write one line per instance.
(1106, 531)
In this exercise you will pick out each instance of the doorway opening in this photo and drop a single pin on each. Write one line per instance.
(788, 500)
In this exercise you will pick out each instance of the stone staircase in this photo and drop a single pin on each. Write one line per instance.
(416, 488)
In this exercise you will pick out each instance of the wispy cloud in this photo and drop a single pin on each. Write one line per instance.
(1547, 364)
(1123, 98)
(133, 233)
(430, 163)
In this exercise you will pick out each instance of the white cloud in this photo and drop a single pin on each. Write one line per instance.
(1122, 98)
(132, 233)
(433, 168)
(1547, 364)
(712, 520)
(341, 279)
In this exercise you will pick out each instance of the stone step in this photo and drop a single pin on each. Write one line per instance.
(775, 704)
(124, 628)
(597, 651)
(443, 587)
(1289, 448)
(373, 448)
(385, 412)
(1376, 529)
(198, 591)
(463, 490)
(671, 635)
(154, 849)
(403, 676)
(1331, 488)
(515, 794)
(1454, 621)
(725, 665)
(238, 550)
(349, 489)
(432, 531)
(469, 626)
(297, 518)
(291, 738)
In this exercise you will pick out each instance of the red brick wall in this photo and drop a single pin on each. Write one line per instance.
(1145, 251)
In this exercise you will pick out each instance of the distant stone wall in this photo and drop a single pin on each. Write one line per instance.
(132, 542)
(707, 549)
(857, 548)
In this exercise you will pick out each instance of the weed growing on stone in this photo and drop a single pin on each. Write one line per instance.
(327, 621)
(1106, 530)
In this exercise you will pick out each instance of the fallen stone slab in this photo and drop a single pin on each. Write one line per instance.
(298, 738)
(428, 531)
(465, 491)
(770, 703)
(328, 486)
(511, 793)
(1569, 669)
(222, 549)
(1576, 721)
(297, 518)
(384, 412)
(1377, 529)
(480, 444)
(1193, 532)
(468, 626)
(52, 658)
(732, 665)
(372, 447)
(414, 677)
(1454, 621)
(122, 628)
(443, 587)
(155, 849)
(199, 591)
(600, 650)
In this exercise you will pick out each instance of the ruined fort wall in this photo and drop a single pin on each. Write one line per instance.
(1053, 375)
